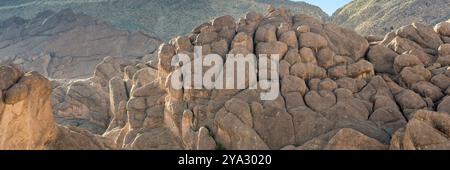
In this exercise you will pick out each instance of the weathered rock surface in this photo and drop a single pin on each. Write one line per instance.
(26, 117)
(335, 92)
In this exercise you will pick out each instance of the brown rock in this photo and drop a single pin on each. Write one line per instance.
(266, 33)
(320, 101)
(242, 40)
(8, 76)
(405, 60)
(241, 109)
(443, 28)
(444, 106)
(289, 38)
(312, 40)
(307, 71)
(274, 47)
(349, 139)
(382, 58)
(426, 130)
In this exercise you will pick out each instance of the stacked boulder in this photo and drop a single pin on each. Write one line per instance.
(328, 92)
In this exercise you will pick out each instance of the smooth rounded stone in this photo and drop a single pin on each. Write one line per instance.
(284, 68)
(16, 93)
(283, 28)
(303, 29)
(293, 100)
(313, 84)
(290, 38)
(444, 49)
(426, 130)
(8, 76)
(401, 45)
(232, 133)
(223, 21)
(206, 38)
(444, 106)
(327, 84)
(325, 58)
(307, 55)
(427, 90)
(274, 47)
(219, 47)
(411, 75)
(320, 101)
(275, 127)
(443, 28)
(266, 33)
(182, 43)
(307, 71)
(242, 40)
(227, 34)
(421, 34)
(382, 58)
(292, 56)
(409, 101)
(405, 60)
(347, 83)
(293, 84)
(350, 139)
(441, 80)
(338, 72)
(360, 69)
(308, 124)
(312, 40)
(241, 109)
(444, 60)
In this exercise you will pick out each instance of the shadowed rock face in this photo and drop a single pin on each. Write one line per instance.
(378, 17)
(337, 91)
(67, 45)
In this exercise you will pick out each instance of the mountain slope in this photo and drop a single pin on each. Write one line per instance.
(67, 44)
(165, 18)
(381, 16)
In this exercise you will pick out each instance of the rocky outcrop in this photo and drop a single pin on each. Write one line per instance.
(337, 91)
(375, 17)
(67, 45)
(26, 117)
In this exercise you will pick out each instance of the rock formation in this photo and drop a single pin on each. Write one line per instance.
(26, 117)
(378, 17)
(67, 45)
(338, 90)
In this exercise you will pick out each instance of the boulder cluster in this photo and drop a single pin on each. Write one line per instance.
(338, 90)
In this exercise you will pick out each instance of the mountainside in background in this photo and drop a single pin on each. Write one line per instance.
(67, 45)
(164, 18)
(378, 17)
